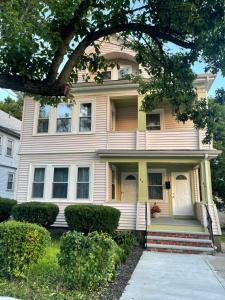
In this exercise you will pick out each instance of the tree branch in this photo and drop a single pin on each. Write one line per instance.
(150, 30)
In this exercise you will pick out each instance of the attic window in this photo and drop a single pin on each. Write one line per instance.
(106, 75)
(181, 177)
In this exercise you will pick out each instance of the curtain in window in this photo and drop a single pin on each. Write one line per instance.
(38, 183)
(83, 183)
(60, 183)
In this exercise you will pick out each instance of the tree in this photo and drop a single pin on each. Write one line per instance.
(217, 106)
(43, 44)
(13, 107)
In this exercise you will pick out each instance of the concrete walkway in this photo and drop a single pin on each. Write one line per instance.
(170, 276)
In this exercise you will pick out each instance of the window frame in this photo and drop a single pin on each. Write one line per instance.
(6, 154)
(71, 118)
(124, 67)
(31, 179)
(89, 199)
(13, 182)
(44, 182)
(161, 115)
(79, 103)
(68, 181)
(38, 118)
(163, 172)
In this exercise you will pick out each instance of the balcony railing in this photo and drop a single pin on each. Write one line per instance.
(157, 140)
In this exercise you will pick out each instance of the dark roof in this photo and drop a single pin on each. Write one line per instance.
(10, 132)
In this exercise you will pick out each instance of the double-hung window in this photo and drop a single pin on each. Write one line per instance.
(9, 148)
(64, 117)
(60, 182)
(10, 182)
(43, 119)
(83, 182)
(85, 123)
(153, 121)
(155, 186)
(38, 183)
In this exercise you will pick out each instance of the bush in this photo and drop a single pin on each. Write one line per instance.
(87, 261)
(6, 206)
(88, 218)
(21, 244)
(126, 240)
(41, 213)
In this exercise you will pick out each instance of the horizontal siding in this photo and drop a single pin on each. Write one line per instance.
(126, 118)
(121, 140)
(164, 206)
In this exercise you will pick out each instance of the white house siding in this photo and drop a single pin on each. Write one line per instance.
(4, 171)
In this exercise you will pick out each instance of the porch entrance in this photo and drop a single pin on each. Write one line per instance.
(181, 194)
(129, 189)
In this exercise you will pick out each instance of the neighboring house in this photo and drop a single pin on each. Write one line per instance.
(10, 128)
(102, 149)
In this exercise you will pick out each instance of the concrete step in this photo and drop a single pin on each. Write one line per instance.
(179, 249)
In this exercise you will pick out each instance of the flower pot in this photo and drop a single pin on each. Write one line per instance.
(156, 215)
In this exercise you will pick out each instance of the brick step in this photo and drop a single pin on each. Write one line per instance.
(179, 234)
(182, 243)
(179, 249)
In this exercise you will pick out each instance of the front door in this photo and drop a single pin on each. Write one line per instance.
(129, 186)
(182, 200)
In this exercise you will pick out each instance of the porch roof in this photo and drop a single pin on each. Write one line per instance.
(209, 154)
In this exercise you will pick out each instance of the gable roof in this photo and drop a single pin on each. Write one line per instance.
(10, 132)
(8, 121)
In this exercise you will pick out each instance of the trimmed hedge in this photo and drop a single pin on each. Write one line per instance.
(6, 206)
(21, 244)
(89, 218)
(87, 262)
(41, 213)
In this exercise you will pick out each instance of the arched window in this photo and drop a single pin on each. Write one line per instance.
(181, 177)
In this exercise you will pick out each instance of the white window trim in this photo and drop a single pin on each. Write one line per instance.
(75, 118)
(31, 178)
(91, 180)
(7, 147)
(72, 183)
(163, 172)
(72, 118)
(162, 118)
(13, 182)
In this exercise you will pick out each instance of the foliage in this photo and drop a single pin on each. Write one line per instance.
(155, 209)
(126, 240)
(217, 108)
(87, 262)
(13, 107)
(21, 244)
(6, 206)
(41, 213)
(43, 46)
(88, 218)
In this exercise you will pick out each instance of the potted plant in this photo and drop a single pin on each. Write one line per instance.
(155, 211)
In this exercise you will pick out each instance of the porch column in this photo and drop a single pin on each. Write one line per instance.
(142, 182)
(206, 184)
(141, 115)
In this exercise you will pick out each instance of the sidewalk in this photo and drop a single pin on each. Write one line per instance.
(170, 276)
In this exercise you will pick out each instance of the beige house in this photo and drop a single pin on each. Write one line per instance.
(101, 149)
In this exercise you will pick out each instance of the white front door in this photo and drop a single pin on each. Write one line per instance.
(182, 202)
(129, 186)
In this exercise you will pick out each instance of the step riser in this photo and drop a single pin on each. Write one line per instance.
(180, 243)
(179, 235)
(176, 251)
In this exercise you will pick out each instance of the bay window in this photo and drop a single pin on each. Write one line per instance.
(60, 182)
(83, 182)
(38, 183)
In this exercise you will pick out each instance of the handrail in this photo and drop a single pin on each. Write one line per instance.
(209, 226)
(146, 223)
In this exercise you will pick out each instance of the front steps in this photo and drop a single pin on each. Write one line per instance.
(178, 241)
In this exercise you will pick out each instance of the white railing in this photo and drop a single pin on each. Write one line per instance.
(157, 140)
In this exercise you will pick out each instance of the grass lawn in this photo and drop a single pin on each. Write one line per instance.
(222, 238)
(43, 281)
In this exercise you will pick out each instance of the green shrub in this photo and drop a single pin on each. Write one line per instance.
(87, 261)
(126, 240)
(88, 218)
(21, 244)
(41, 213)
(6, 206)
